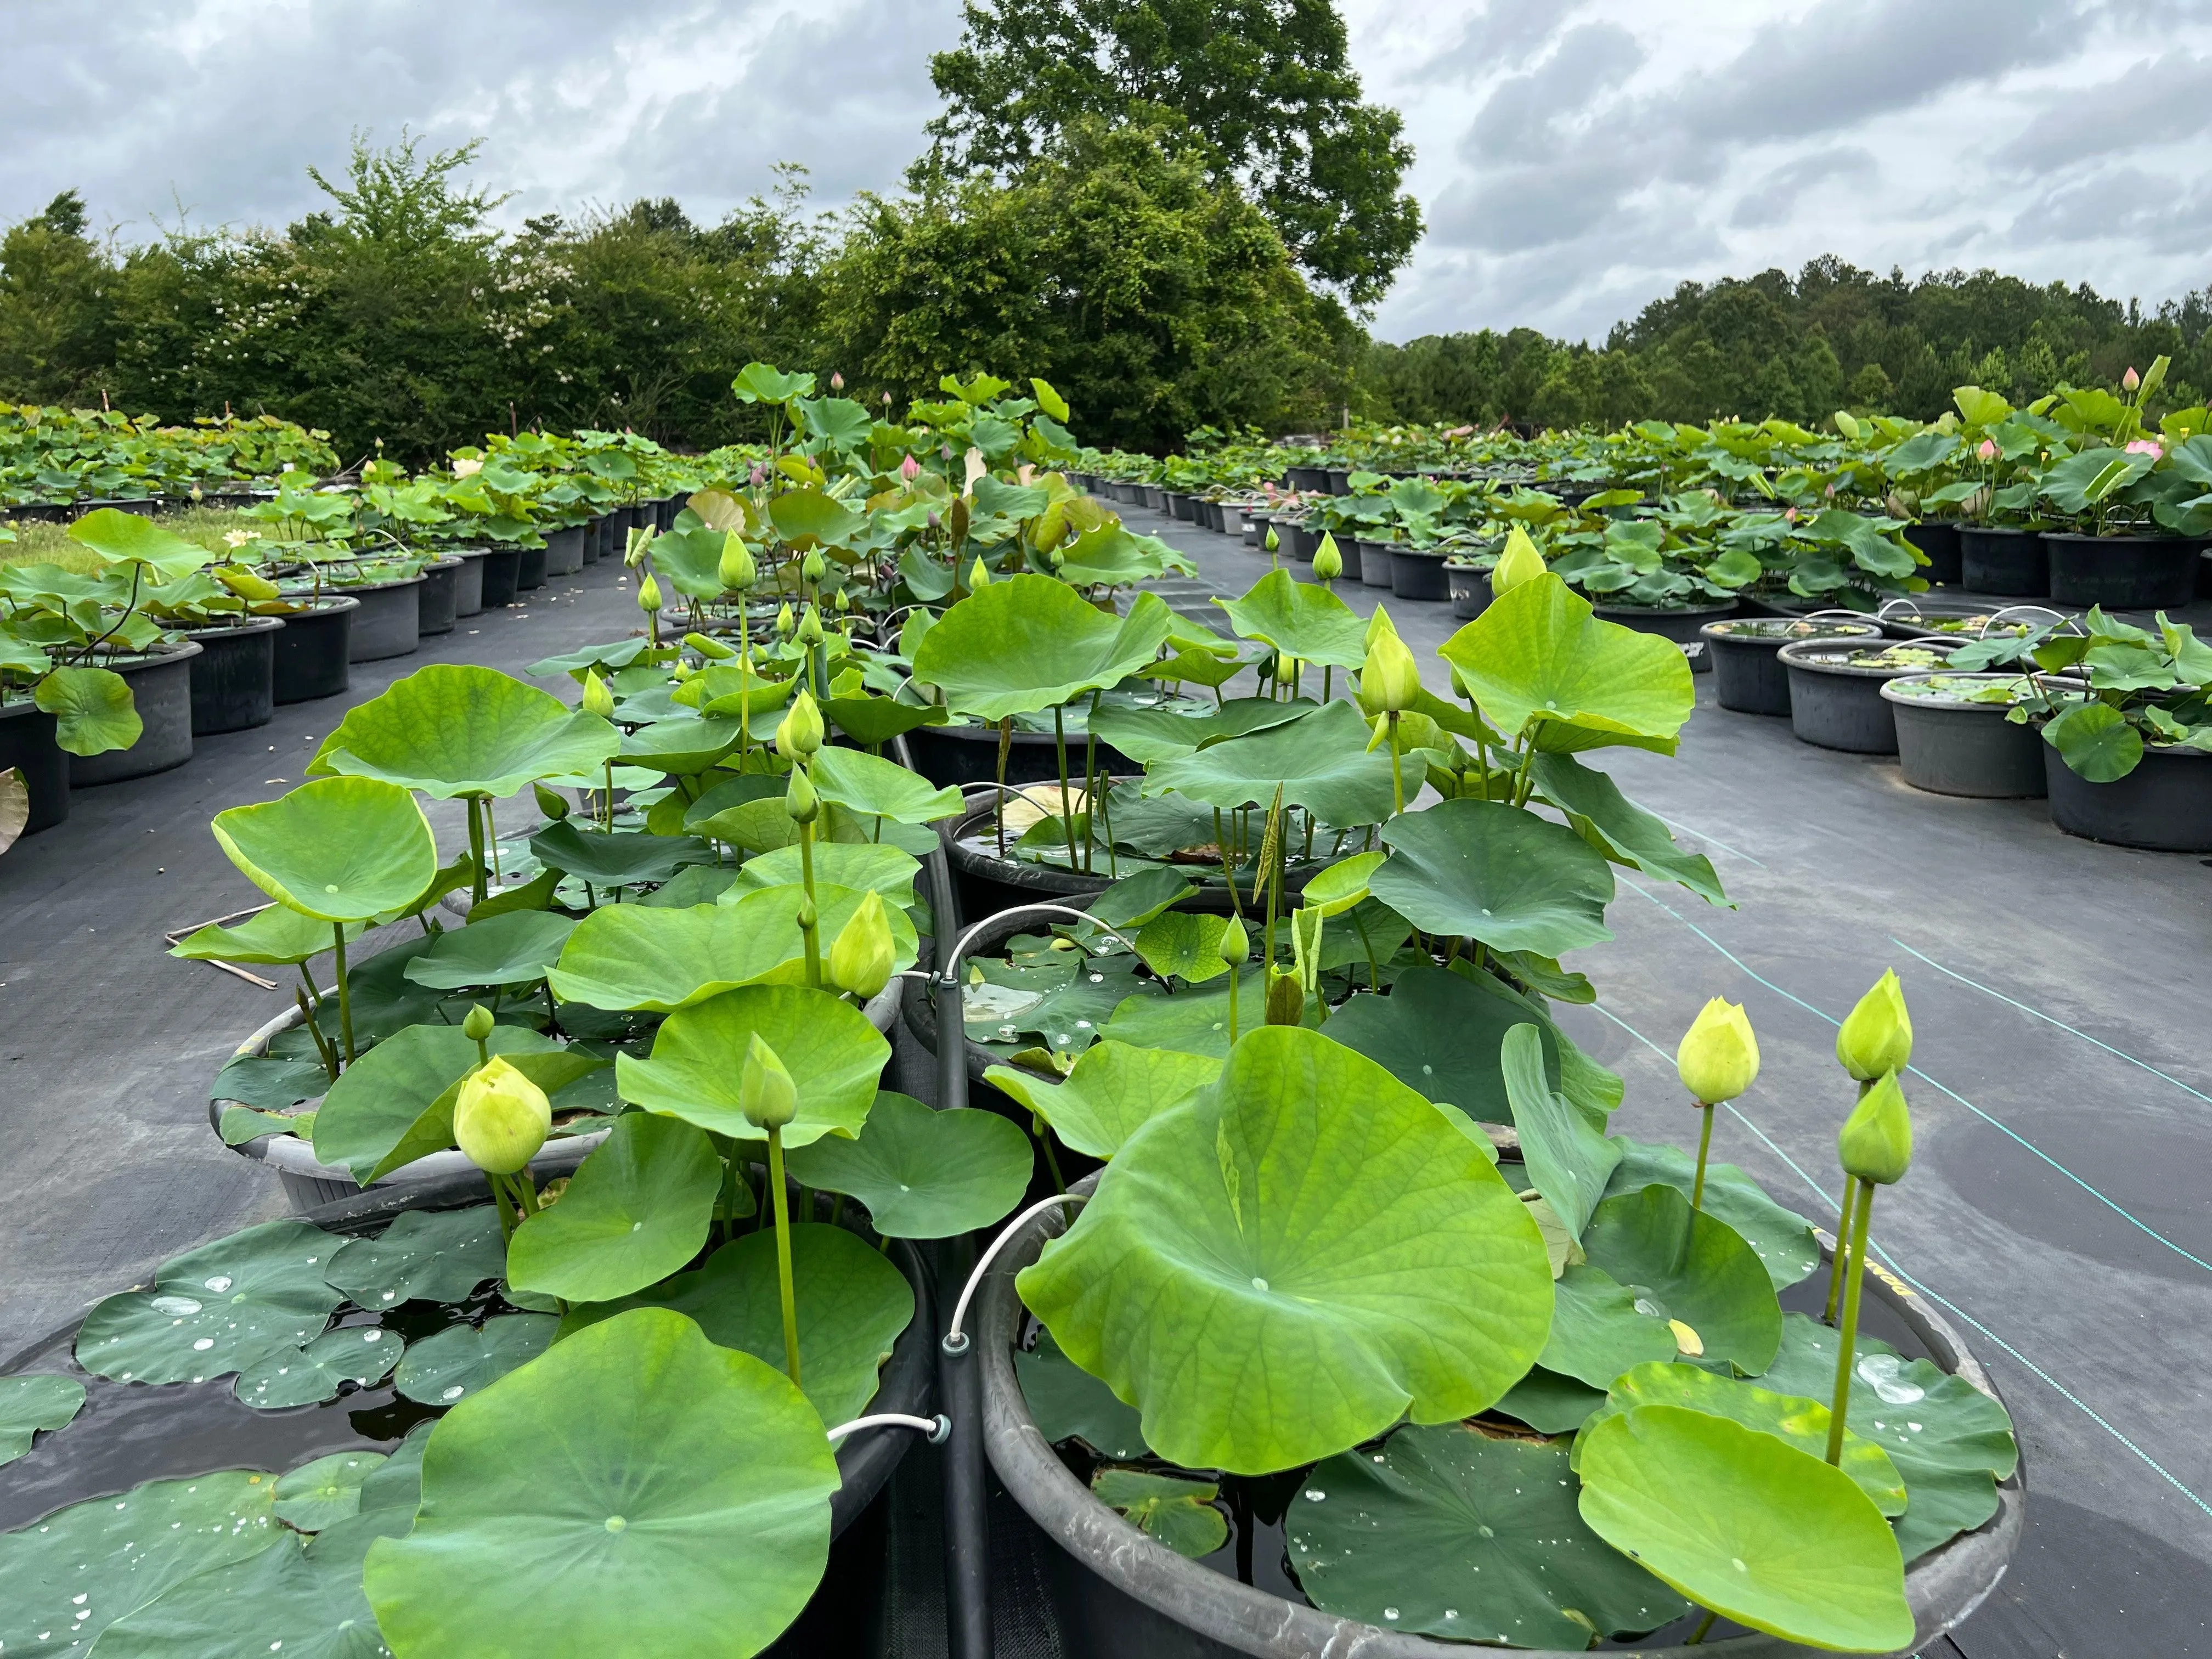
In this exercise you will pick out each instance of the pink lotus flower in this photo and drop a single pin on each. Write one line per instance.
(2146, 446)
(2130, 381)
(909, 469)
(1988, 452)
(836, 381)
(760, 474)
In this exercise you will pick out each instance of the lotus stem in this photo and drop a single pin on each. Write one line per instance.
(1844, 1351)
(1067, 806)
(1397, 768)
(1705, 1145)
(1006, 747)
(1837, 1268)
(476, 847)
(783, 1253)
(322, 1043)
(506, 1209)
(1236, 972)
(744, 685)
(1697, 1635)
(1090, 780)
(308, 979)
(810, 927)
(1228, 873)
(607, 801)
(345, 996)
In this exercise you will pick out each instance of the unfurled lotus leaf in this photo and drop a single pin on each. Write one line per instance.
(1320, 762)
(216, 1309)
(512, 949)
(92, 709)
(1781, 1239)
(1300, 619)
(126, 537)
(277, 936)
(873, 787)
(461, 1359)
(1146, 735)
(864, 866)
(1030, 642)
(1692, 1267)
(32, 1402)
(1440, 1033)
(923, 1174)
(342, 850)
(1114, 1091)
(454, 729)
(1485, 870)
(618, 859)
(378, 1098)
(636, 1211)
(1631, 836)
(835, 1058)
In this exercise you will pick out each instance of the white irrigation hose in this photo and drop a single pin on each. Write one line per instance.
(939, 1428)
(952, 962)
(953, 1340)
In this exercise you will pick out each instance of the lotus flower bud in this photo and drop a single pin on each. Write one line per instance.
(935, 523)
(551, 802)
(683, 671)
(766, 1094)
(501, 1118)
(801, 801)
(648, 593)
(1273, 540)
(861, 961)
(1520, 563)
(736, 569)
(812, 567)
(783, 622)
(1876, 1038)
(836, 381)
(2130, 381)
(476, 1023)
(909, 469)
(810, 627)
(843, 600)
(1327, 563)
(1236, 942)
(807, 917)
(1719, 1055)
(1875, 1142)
(598, 698)
(1389, 680)
(979, 577)
(760, 474)
(800, 733)
(708, 645)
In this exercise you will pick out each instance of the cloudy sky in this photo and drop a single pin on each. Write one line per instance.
(1577, 157)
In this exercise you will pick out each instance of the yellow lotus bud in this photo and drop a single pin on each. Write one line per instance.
(736, 570)
(648, 593)
(978, 577)
(783, 622)
(476, 1023)
(861, 961)
(1327, 562)
(1389, 680)
(1718, 1057)
(843, 599)
(766, 1094)
(1875, 1142)
(810, 627)
(1274, 541)
(1877, 1036)
(598, 698)
(1520, 563)
(800, 733)
(811, 568)
(501, 1118)
(800, 798)
(1236, 942)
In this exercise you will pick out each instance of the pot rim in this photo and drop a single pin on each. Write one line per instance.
(1724, 631)
(1944, 1586)
(224, 630)
(1943, 701)
(1727, 606)
(1798, 655)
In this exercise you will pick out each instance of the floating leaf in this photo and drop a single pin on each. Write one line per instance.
(1311, 1219)
(634, 1212)
(359, 1354)
(302, 1601)
(342, 849)
(427, 1256)
(462, 1358)
(923, 1174)
(1114, 1091)
(1742, 1522)
(216, 1309)
(510, 950)
(325, 1491)
(30, 1403)
(1780, 1238)
(1449, 1532)
(834, 1055)
(1067, 1403)
(453, 729)
(1599, 1330)
(1481, 870)
(1694, 1268)
(693, 1523)
(1167, 1509)
(1550, 1403)
(1441, 1034)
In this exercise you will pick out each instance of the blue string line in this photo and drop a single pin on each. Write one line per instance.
(2063, 1391)
(2117, 1208)
(1702, 836)
(2039, 1013)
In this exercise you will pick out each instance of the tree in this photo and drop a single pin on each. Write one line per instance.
(1266, 86)
(57, 305)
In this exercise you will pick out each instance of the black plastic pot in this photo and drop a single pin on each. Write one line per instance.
(1838, 704)
(958, 755)
(1307, 478)
(128, 1432)
(161, 691)
(2130, 573)
(1913, 618)
(27, 746)
(1180, 506)
(1949, 746)
(1256, 531)
(1339, 480)
(1355, 562)
(502, 569)
(564, 551)
(1939, 539)
(235, 676)
(1418, 573)
(468, 582)
(2164, 804)
(441, 599)
(1684, 624)
(1747, 672)
(1995, 560)
(1119, 1593)
(530, 568)
(591, 528)
(1375, 563)
(314, 651)
(1470, 591)
(390, 620)
(1299, 542)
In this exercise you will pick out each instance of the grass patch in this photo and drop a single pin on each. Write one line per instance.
(50, 543)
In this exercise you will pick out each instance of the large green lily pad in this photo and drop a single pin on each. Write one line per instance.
(70, 1576)
(216, 1308)
(1309, 1220)
(1781, 1239)
(278, 935)
(1440, 1034)
(510, 950)
(864, 866)
(461, 1359)
(1695, 1267)
(1300, 619)
(692, 1523)
(453, 729)
(623, 859)
(429, 1256)
(1030, 642)
(1147, 735)
(1067, 1403)
(361, 1354)
(635, 1211)
(93, 708)
(1743, 1523)
(923, 1174)
(342, 850)
(129, 538)
(32, 1402)
(284, 1600)
(1114, 1090)
(1321, 762)
(1599, 1331)
(686, 745)
(697, 1065)
(1449, 1532)
(874, 787)
(1482, 870)
(852, 1305)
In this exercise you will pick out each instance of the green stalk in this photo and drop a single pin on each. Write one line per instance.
(1850, 1323)
(345, 996)
(322, 1043)
(1228, 873)
(1067, 806)
(477, 846)
(506, 1211)
(1397, 770)
(1697, 1635)
(810, 931)
(1705, 1145)
(1839, 1267)
(307, 979)
(1090, 782)
(1006, 747)
(744, 683)
(1236, 973)
(783, 1253)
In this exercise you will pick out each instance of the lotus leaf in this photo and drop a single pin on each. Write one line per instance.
(834, 1055)
(1695, 1267)
(1300, 619)
(1781, 1239)
(1484, 870)
(1136, 900)
(1031, 643)
(635, 1211)
(126, 537)
(1166, 1508)
(923, 1174)
(216, 1309)
(454, 729)
(1450, 1532)
(682, 746)
(851, 1305)
(427, 1255)
(876, 721)
(325, 1491)
(1568, 1158)
(1550, 1403)
(1194, 1022)
(1743, 1523)
(1147, 735)
(1540, 657)
(1307, 1219)
(82, 1568)
(1114, 1091)
(342, 850)
(515, 949)
(93, 708)
(874, 787)
(1184, 945)
(461, 1359)
(1440, 1034)
(1068, 1403)
(693, 1522)
(1321, 762)
(1601, 1328)
(30, 1403)
(747, 811)
(304, 1602)
(862, 866)
(619, 859)
(359, 1354)
(807, 518)
(278, 934)
(694, 884)
(1630, 834)
(270, 1084)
